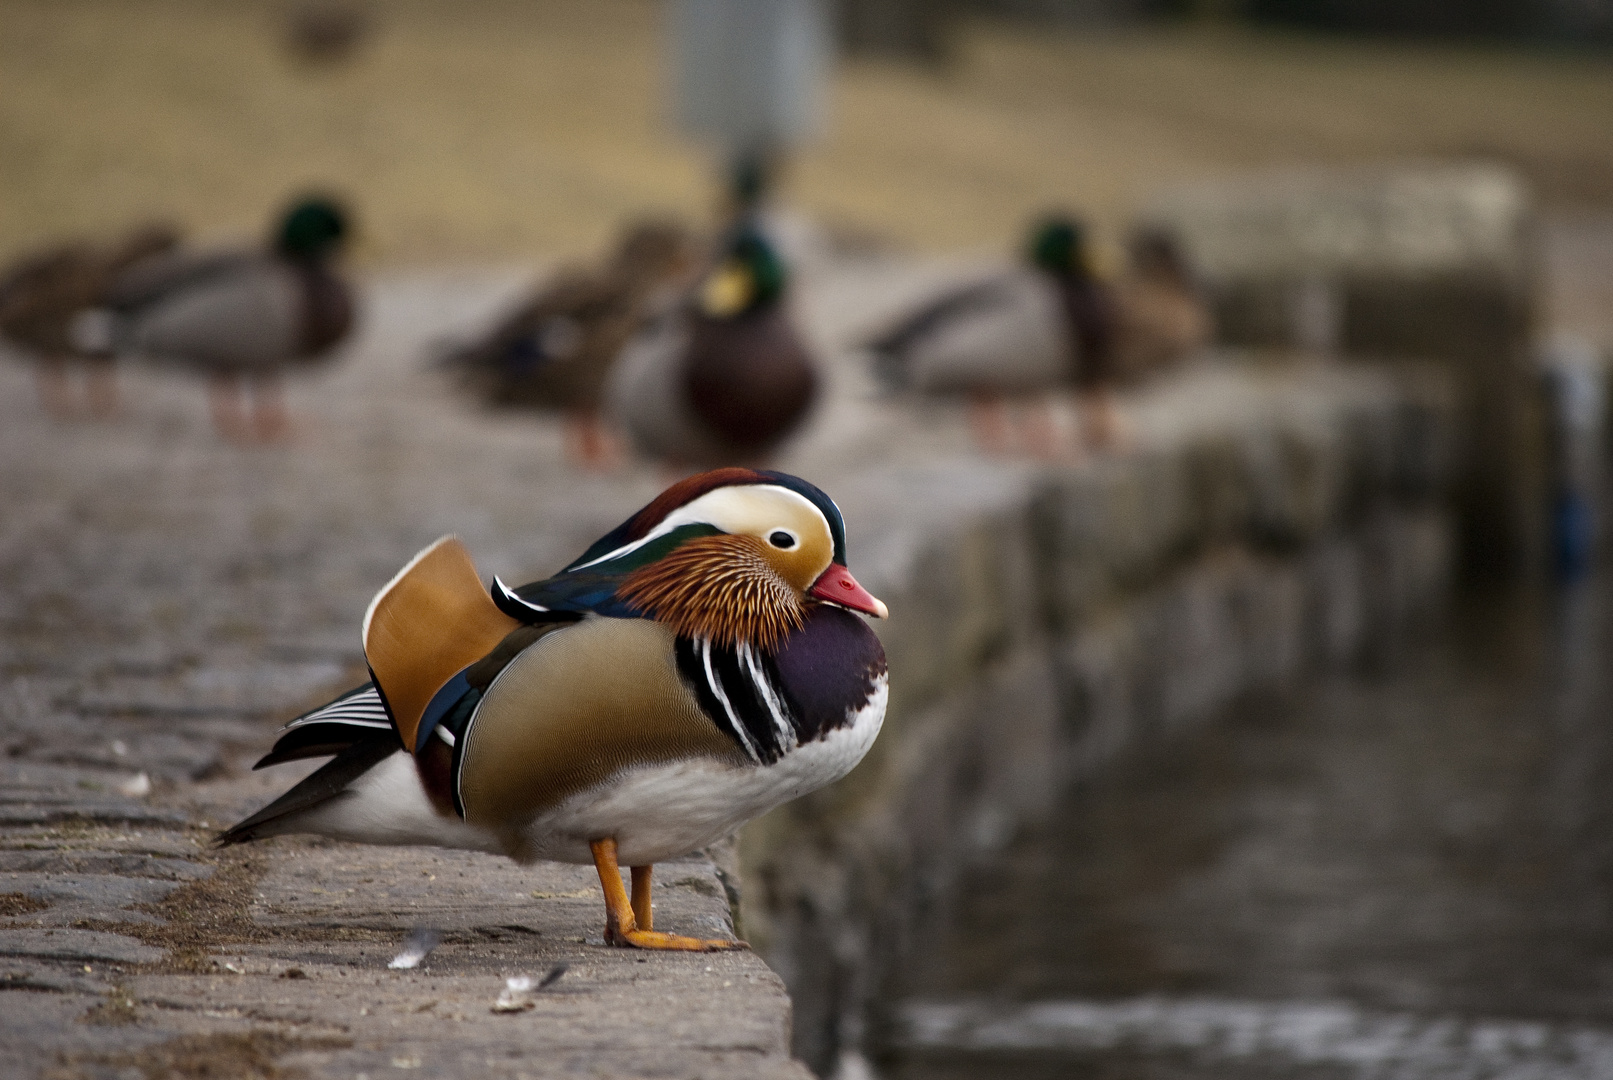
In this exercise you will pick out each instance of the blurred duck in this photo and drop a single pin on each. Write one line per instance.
(555, 351)
(327, 33)
(1160, 315)
(1017, 333)
(41, 296)
(723, 378)
(238, 316)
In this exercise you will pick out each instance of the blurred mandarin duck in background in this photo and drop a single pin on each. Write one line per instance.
(697, 666)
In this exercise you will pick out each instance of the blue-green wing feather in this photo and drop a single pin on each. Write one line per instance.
(591, 590)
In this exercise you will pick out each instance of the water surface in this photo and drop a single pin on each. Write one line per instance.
(1403, 873)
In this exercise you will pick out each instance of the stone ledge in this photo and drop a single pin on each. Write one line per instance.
(1045, 621)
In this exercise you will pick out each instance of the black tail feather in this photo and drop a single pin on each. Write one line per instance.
(354, 717)
(319, 740)
(319, 787)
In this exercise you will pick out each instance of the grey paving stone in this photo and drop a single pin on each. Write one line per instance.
(79, 946)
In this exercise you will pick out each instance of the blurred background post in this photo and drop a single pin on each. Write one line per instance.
(749, 81)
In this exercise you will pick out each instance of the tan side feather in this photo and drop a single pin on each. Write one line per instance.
(721, 588)
(430, 621)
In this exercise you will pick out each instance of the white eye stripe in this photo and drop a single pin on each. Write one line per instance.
(723, 509)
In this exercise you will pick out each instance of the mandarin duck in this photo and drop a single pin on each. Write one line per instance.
(555, 350)
(1015, 333)
(238, 316)
(695, 667)
(723, 378)
(44, 293)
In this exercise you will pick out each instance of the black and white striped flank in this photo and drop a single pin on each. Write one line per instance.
(739, 689)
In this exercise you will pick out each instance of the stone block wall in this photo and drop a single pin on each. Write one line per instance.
(1046, 621)
(1424, 263)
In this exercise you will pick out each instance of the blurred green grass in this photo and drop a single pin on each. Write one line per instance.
(499, 129)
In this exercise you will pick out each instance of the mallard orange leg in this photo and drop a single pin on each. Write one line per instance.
(621, 924)
(1043, 438)
(1102, 426)
(55, 391)
(101, 388)
(229, 414)
(988, 418)
(591, 444)
(269, 420)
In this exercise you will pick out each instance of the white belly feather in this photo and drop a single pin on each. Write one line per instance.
(663, 811)
(655, 813)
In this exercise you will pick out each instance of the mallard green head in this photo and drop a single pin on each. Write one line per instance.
(749, 276)
(1059, 246)
(313, 228)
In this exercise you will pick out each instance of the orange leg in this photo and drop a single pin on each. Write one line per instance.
(642, 913)
(55, 391)
(621, 925)
(229, 415)
(988, 417)
(1101, 422)
(592, 445)
(101, 388)
(269, 419)
(1042, 436)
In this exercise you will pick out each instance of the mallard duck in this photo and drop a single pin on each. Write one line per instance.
(41, 296)
(1160, 315)
(695, 667)
(240, 317)
(723, 378)
(1015, 333)
(555, 350)
(327, 33)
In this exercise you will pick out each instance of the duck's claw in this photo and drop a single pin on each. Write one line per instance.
(655, 939)
(622, 925)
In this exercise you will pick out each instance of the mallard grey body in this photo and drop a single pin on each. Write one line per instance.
(242, 312)
(1007, 332)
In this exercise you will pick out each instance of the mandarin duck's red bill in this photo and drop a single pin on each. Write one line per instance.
(697, 666)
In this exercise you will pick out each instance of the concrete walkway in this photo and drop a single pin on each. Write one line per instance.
(166, 599)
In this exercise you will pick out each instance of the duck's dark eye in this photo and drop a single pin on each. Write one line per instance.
(781, 539)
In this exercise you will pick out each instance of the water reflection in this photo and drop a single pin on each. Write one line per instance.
(1397, 874)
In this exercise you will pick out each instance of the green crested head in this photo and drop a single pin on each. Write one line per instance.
(313, 228)
(1058, 245)
(750, 275)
